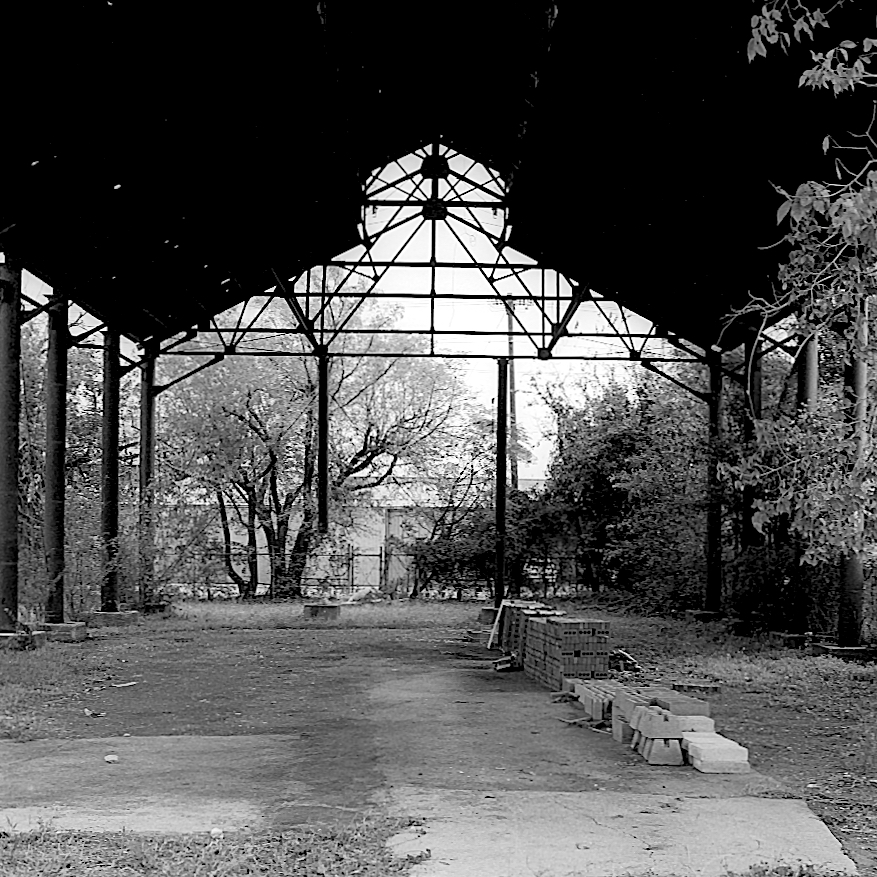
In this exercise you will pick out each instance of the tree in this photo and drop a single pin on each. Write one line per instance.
(246, 433)
(819, 466)
(629, 474)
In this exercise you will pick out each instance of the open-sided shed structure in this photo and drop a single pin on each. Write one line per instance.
(159, 164)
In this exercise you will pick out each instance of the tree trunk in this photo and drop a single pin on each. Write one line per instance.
(252, 545)
(233, 574)
(290, 585)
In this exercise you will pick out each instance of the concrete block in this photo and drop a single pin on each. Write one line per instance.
(636, 715)
(665, 752)
(715, 747)
(659, 724)
(39, 638)
(67, 632)
(113, 619)
(487, 615)
(645, 747)
(708, 766)
(621, 730)
(697, 686)
(689, 737)
(682, 705)
(701, 724)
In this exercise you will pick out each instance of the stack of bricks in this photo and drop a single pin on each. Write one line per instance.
(670, 728)
(578, 648)
(556, 647)
(513, 636)
(535, 652)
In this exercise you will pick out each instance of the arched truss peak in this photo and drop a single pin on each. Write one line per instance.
(435, 253)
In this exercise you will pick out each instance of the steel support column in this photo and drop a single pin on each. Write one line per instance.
(800, 603)
(110, 474)
(502, 392)
(513, 405)
(10, 371)
(146, 519)
(808, 374)
(852, 590)
(322, 439)
(750, 537)
(714, 571)
(56, 449)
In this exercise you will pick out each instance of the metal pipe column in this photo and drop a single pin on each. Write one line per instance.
(146, 520)
(714, 572)
(109, 591)
(10, 401)
(56, 449)
(852, 590)
(750, 537)
(808, 374)
(322, 439)
(502, 392)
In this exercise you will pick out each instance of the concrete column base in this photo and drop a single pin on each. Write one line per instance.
(68, 632)
(487, 615)
(16, 641)
(113, 619)
(324, 611)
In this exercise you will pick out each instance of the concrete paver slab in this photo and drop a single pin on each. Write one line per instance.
(603, 834)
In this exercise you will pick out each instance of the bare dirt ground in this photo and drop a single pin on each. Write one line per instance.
(278, 728)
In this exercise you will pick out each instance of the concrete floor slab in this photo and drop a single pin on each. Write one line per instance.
(603, 834)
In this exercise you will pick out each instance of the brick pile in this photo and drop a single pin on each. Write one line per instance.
(555, 647)
(665, 726)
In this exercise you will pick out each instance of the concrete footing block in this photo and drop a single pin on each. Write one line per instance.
(487, 615)
(10, 641)
(113, 619)
(621, 730)
(665, 752)
(709, 766)
(34, 640)
(322, 611)
(67, 632)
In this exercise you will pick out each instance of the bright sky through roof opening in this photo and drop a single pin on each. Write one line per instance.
(463, 300)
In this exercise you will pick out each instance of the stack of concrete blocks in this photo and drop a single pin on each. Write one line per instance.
(535, 651)
(556, 647)
(671, 728)
(595, 696)
(577, 648)
(513, 632)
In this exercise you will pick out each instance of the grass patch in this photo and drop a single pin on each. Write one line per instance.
(28, 679)
(358, 849)
(396, 614)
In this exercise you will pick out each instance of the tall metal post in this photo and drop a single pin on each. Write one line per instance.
(110, 474)
(714, 572)
(513, 407)
(146, 519)
(799, 605)
(852, 590)
(502, 390)
(56, 448)
(753, 376)
(808, 374)
(322, 439)
(10, 371)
